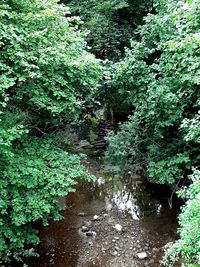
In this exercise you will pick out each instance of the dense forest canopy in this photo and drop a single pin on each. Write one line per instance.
(148, 70)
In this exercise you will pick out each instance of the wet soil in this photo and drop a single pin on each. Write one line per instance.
(108, 223)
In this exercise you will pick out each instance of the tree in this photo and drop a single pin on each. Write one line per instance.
(46, 79)
(159, 80)
(111, 23)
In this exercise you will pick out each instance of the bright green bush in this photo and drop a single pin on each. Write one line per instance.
(188, 246)
(46, 79)
(44, 58)
(37, 173)
(159, 80)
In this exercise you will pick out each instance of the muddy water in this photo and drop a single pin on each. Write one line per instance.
(108, 224)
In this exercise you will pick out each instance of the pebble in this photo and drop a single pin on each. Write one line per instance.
(142, 255)
(95, 218)
(84, 229)
(101, 181)
(90, 233)
(114, 253)
(118, 227)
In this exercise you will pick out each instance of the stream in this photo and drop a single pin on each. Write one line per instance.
(115, 222)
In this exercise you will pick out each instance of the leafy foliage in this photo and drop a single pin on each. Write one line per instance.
(159, 79)
(111, 23)
(35, 176)
(49, 57)
(188, 246)
(46, 78)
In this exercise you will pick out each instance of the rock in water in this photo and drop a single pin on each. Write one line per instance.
(118, 227)
(84, 229)
(90, 233)
(142, 255)
(95, 218)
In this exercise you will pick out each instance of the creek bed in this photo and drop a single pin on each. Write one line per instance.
(109, 223)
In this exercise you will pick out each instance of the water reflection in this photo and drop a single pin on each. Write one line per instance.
(133, 196)
(125, 202)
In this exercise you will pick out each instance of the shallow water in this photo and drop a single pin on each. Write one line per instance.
(141, 210)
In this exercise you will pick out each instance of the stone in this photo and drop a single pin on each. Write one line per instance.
(95, 218)
(101, 181)
(90, 243)
(118, 227)
(114, 253)
(142, 255)
(84, 229)
(90, 233)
